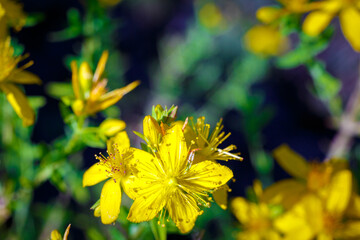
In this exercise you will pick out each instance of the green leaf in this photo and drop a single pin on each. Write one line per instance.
(307, 49)
(326, 86)
(59, 89)
(92, 139)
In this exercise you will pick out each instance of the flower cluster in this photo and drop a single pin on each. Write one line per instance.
(318, 202)
(175, 174)
(320, 15)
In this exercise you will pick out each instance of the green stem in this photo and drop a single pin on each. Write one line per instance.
(158, 230)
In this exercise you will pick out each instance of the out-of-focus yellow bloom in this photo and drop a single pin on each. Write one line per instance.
(110, 127)
(115, 167)
(210, 16)
(55, 235)
(256, 218)
(309, 177)
(349, 15)
(90, 91)
(109, 3)
(322, 218)
(10, 75)
(168, 180)
(11, 14)
(266, 41)
(270, 14)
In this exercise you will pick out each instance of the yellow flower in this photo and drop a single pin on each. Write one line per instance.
(266, 41)
(55, 235)
(115, 167)
(210, 16)
(90, 91)
(349, 15)
(168, 181)
(322, 218)
(205, 145)
(198, 136)
(110, 127)
(256, 218)
(309, 177)
(10, 75)
(270, 14)
(11, 13)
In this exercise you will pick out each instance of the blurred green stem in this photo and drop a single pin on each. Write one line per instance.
(158, 230)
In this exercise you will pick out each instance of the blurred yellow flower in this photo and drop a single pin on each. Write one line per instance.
(90, 91)
(349, 15)
(266, 41)
(115, 167)
(10, 75)
(309, 177)
(269, 14)
(168, 179)
(11, 14)
(256, 218)
(210, 16)
(55, 235)
(322, 218)
(110, 127)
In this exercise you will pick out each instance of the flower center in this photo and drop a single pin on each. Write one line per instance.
(172, 181)
(319, 176)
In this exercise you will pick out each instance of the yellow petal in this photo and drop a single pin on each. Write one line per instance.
(221, 196)
(339, 192)
(18, 101)
(206, 175)
(113, 97)
(316, 22)
(285, 192)
(353, 209)
(97, 211)
(152, 130)
(183, 210)
(112, 126)
(95, 174)
(121, 142)
(110, 201)
(240, 207)
(265, 41)
(78, 107)
(350, 22)
(85, 78)
(127, 184)
(55, 235)
(173, 150)
(75, 81)
(268, 14)
(150, 200)
(101, 66)
(350, 230)
(24, 77)
(303, 221)
(67, 231)
(291, 162)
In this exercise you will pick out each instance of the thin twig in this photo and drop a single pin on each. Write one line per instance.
(348, 128)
